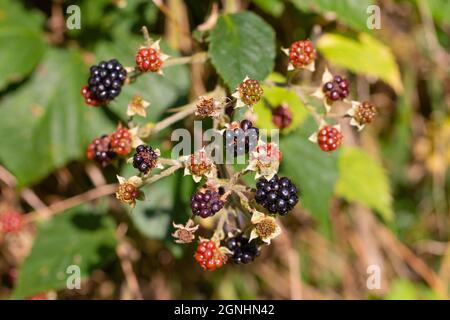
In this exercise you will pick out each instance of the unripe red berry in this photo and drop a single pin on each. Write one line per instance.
(282, 117)
(329, 138)
(11, 222)
(89, 98)
(148, 59)
(209, 256)
(250, 91)
(127, 193)
(301, 53)
(121, 141)
(100, 150)
(365, 112)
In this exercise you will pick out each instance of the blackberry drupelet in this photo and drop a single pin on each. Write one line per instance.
(337, 89)
(278, 195)
(243, 250)
(145, 158)
(241, 140)
(206, 204)
(106, 80)
(100, 150)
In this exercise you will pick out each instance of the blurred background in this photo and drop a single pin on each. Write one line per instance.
(373, 220)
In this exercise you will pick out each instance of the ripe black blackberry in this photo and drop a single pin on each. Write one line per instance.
(337, 89)
(100, 150)
(145, 158)
(206, 204)
(243, 250)
(278, 195)
(106, 80)
(242, 139)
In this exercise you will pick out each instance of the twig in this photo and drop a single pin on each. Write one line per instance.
(392, 243)
(182, 113)
(125, 263)
(165, 173)
(187, 110)
(72, 202)
(148, 40)
(26, 194)
(199, 57)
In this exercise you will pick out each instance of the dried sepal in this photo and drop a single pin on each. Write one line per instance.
(185, 233)
(137, 106)
(265, 227)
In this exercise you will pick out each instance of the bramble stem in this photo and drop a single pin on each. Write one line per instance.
(148, 40)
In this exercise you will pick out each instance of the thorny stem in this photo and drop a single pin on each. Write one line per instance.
(183, 112)
(165, 173)
(199, 57)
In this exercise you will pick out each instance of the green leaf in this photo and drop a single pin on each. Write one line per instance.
(166, 201)
(161, 91)
(274, 97)
(440, 10)
(364, 180)
(77, 237)
(366, 56)
(273, 7)
(153, 215)
(45, 123)
(21, 41)
(242, 44)
(352, 13)
(404, 289)
(313, 171)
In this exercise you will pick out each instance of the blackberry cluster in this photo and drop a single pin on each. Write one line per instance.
(365, 113)
(100, 150)
(301, 53)
(106, 80)
(278, 195)
(206, 204)
(329, 138)
(337, 89)
(148, 59)
(209, 256)
(242, 139)
(121, 141)
(127, 193)
(282, 117)
(145, 158)
(250, 91)
(243, 250)
(11, 222)
(206, 106)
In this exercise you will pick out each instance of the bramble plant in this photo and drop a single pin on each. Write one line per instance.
(291, 147)
(246, 217)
